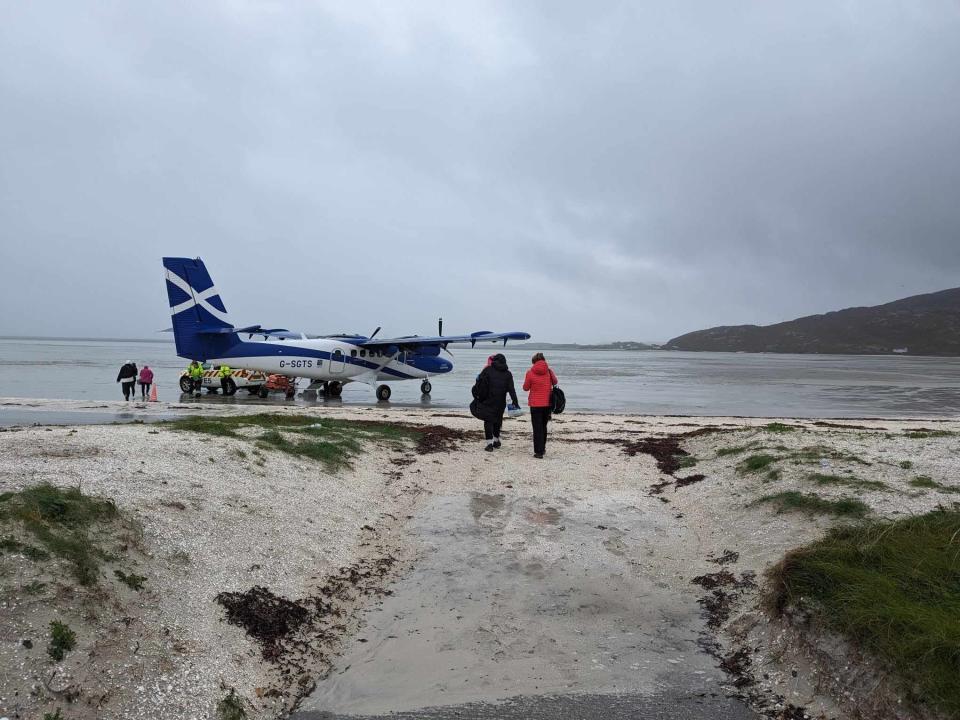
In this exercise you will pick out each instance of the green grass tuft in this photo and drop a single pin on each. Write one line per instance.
(132, 581)
(332, 442)
(62, 640)
(921, 434)
(735, 450)
(755, 463)
(848, 481)
(779, 427)
(894, 589)
(927, 482)
(773, 476)
(815, 453)
(64, 506)
(61, 520)
(791, 500)
(11, 544)
(906, 464)
(53, 715)
(34, 587)
(231, 708)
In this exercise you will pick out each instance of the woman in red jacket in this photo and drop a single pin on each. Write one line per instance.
(539, 382)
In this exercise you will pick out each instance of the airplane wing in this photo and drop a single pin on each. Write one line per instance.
(444, 340)
(250, 329)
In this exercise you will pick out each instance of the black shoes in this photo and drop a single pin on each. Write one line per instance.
(488, 448)
(496, 443)
(538, 456)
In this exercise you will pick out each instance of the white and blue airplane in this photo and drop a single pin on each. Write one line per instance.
(202, 331)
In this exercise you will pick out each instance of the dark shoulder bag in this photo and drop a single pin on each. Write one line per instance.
(481, 388)
(558, 401)
(480, 391)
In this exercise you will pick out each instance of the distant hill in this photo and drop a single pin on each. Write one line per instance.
(620, 345)
(918, 325)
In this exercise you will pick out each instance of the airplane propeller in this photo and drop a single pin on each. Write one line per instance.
(440, 333)
(374, 333)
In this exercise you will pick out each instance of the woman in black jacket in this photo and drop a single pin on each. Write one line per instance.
(491, 390)
(127, 377)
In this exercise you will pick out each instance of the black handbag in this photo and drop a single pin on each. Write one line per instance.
(558, 401)
(475, 409)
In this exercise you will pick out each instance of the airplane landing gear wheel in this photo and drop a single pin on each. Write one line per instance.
(334, 389)
(426, 387)
(383, 393)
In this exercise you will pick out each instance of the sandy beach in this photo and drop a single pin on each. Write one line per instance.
(208, 514)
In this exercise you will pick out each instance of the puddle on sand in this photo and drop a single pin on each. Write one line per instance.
(511, 598)
(20, 416)
(547, 516)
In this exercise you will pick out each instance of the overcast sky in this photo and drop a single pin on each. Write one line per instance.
(585, 171)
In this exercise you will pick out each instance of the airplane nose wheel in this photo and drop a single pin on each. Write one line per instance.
(426, 387)
(334, 389)
(383, 392)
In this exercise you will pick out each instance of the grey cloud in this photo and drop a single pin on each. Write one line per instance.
(619, 170)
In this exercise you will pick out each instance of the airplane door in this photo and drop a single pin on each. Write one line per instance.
(336, 361)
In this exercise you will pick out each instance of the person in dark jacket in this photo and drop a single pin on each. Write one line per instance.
(127, 377)
(539, 381)
(491, 389)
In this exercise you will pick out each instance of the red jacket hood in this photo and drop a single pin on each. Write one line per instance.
(540, 368)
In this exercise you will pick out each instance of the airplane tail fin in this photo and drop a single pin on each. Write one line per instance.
(201, 328)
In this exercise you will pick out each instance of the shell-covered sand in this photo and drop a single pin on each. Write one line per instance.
(216, 517)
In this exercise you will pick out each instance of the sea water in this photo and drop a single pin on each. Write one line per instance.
(643, 382)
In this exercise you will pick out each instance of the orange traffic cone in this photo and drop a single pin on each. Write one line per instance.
(153, 394)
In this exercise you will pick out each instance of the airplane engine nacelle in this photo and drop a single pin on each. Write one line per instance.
(432, 364)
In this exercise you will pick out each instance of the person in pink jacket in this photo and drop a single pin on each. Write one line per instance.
(539, 382)
(146, 380)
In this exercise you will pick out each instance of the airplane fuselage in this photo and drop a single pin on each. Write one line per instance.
(336, 360)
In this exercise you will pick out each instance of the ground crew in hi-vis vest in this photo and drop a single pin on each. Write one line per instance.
(226, 379)
(195, 371)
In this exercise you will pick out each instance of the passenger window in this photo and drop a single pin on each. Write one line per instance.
(353, 353)
(337, 354)
(363, 353)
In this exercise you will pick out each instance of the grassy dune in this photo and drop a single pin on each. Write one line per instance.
(331, 442)
(894, 589)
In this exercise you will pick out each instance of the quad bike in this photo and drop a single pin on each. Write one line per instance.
(279, 383)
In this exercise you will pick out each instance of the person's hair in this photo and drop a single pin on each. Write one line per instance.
(538, 357)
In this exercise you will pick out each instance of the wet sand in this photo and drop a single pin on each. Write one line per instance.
(561, 586)
(525, 596)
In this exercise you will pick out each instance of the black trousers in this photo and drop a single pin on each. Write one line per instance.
(144, 389)
(539, 417)
(128, 390)
(197, 385)
(491, 428)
